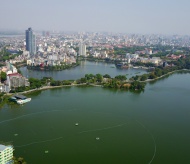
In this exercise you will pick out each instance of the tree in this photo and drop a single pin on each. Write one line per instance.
(121, 77)
(137, 85)
(89, 76)
(144, 77)
(3, 76)
(35, 83)
(19, 160)
(83, 80)
(66, 82)
(136, 77)
(99, 78)
(107, 76)
(152, 76)
(56, 83)
(158, 72)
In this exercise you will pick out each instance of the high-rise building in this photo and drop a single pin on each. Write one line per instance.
(6, 154)
(82, 49)
(30, 41)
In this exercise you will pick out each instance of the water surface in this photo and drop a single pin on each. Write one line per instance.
(85, 67)
(150, 127)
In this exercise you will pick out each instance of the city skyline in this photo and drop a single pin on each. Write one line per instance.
(145, 17)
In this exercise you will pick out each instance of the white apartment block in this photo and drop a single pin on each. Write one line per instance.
(6, 154)
(82, 50)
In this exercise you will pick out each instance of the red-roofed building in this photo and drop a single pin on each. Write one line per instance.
(15, 75)
(16, 80)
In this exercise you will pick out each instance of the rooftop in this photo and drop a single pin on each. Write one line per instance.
(14, 74)
(3, 147)
(20, 96)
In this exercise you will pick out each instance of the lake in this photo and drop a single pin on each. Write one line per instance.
(78, 72)
(113, 126)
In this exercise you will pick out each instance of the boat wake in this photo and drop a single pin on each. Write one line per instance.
(38, 142)
(26, 115)
(94, 130)
(152, 139)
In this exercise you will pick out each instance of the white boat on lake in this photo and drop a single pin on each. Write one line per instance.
(20, 99)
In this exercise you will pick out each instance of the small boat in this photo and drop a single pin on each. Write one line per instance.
(23, 101)
(76, 124)
(97, 138)
(20, 99)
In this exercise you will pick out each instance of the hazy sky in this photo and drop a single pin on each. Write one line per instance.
(129, 16)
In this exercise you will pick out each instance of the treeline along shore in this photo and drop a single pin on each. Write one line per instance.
(135, 84)
(118, 82)
(52, 68)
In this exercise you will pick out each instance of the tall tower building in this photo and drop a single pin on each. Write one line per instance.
(30, 41)
(82, 49)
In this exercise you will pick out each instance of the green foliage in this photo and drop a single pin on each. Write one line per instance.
(143, 64)
(152, 76)
(20, 89)
(144, 77)
(99, 78)
(19, 160)
(136, 85)
(56, 83)
(124, 50)
(107, 76)
(112, 83)
(158, 72)
(35, 83)
(63, 66)
(183, 63)
(136, 78)
(83, 80)
(149, 64)
(66, 82)
(162, 48)
(3, 76)
(89, 76)
(1, 97)
(121, 77)
(5, 55)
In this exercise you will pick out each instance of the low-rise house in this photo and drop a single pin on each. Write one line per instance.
(155, 60)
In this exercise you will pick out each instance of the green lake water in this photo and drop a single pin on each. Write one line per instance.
(85, 67)
(114, 127)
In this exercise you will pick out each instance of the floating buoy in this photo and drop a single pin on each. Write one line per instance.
(76, 124)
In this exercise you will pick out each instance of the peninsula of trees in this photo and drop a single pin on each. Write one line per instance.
(118, 82)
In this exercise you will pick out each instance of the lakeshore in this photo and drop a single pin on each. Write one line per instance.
(85, 67)
(95, 85)
(169, 73)
(88, 84)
